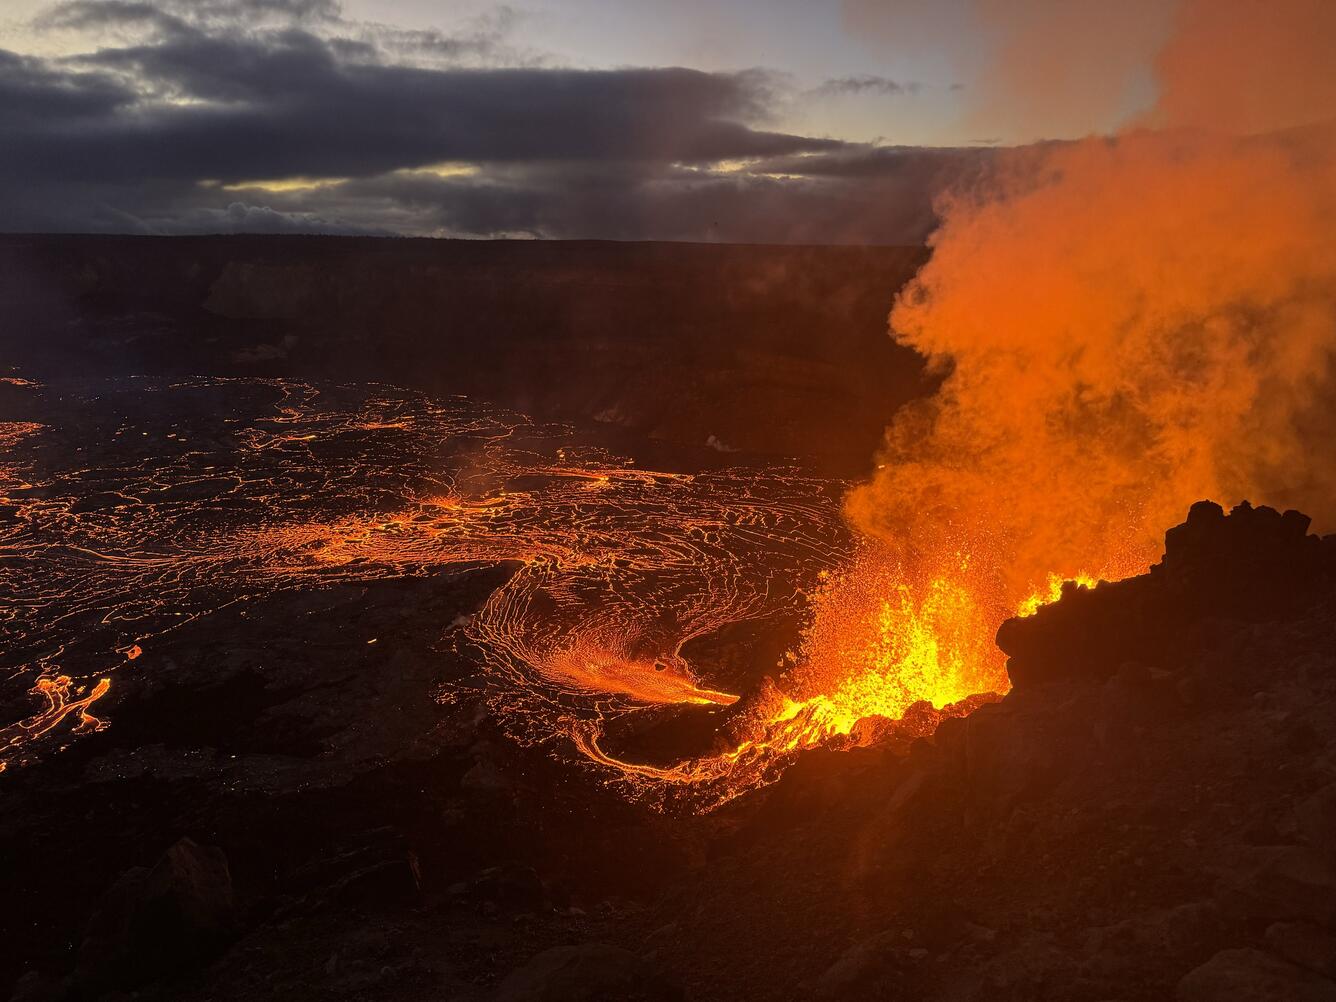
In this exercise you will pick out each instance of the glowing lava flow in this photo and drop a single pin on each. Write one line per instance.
(213, 492)
(890, 649)
(889, 633)
(884, 638)
(599, 668)
(1052, 591)
(884, 650)
(61, 697)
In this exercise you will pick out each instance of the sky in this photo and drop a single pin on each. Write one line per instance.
(742, 120)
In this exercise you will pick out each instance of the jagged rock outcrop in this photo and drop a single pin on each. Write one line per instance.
(1148, 811)
(1252, 565)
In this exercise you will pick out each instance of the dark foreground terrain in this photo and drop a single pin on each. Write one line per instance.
(283, 806)
(1149, 814)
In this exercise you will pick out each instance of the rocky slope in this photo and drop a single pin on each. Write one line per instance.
(1149, 814)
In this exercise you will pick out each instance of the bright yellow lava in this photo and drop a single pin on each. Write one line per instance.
(879, 642)
(1052, 591)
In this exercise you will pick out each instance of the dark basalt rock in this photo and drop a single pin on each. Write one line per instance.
(375, 869)
(591, 972)
(1253, 976)
(1304, 944)
(1254, 564)
(157, 922)
(510, 885)
(883, 966)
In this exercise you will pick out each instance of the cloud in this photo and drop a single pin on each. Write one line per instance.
(231, 105)
(830, 203)
(172, 15)
(865, 83)
(944, 165)
(101, 15)
(33, 95)
(177, 112)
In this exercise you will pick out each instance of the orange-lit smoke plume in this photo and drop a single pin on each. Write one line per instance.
(1122, 325)
(1127, 324)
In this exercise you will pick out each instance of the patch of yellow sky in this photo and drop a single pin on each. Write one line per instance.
(287, 185)
(747, 165)
(450, 169)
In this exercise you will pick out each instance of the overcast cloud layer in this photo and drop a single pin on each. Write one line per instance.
(178, 116)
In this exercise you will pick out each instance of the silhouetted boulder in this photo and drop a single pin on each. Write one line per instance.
(510, 885)
(1316, 818)
(1255, 563)
(1279, 882)
(884, 966)
(157, 922)
(37, 987)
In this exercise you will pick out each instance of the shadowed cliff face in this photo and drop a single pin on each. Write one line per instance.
(778, 350)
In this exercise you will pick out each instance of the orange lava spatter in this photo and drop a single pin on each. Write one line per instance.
(885, 636)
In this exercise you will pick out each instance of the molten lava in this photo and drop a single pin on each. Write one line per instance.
(213, 492)
(617, 570)
(886, 636)
(61, 697)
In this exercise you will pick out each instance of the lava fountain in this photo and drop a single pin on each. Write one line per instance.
(1121, 326)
